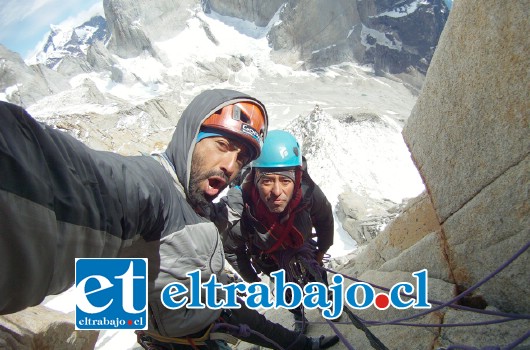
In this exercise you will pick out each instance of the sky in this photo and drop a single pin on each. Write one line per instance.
(24, 24)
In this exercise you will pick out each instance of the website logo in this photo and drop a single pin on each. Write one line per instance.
(331, 299)
(111, 294)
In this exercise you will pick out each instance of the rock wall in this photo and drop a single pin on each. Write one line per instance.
(259, 12)
(363, 217)
(382, 33)
(469, 137)
(134, 25)
(396, 37)
(41, 328)
(416, 221)
(25, 85)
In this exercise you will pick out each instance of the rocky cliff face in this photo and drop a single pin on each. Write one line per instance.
(468, 136)
(411, 30)
(259, 12)
(24, 84)
(395, 36)
(42, 328)
(136, 24)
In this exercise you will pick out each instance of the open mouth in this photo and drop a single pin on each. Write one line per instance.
(215, 185)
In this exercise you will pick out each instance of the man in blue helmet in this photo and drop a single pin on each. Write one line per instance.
(282, 205)
(60, 200)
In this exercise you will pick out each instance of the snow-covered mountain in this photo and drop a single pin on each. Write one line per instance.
(394, 37)
(161, 49)
(71, 42)
(360, 152)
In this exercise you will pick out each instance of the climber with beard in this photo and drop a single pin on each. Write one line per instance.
(60, 200)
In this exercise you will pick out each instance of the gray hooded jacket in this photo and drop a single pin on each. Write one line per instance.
(60, 200)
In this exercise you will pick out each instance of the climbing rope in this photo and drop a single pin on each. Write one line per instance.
(299, 263)
(313, 267)
(451, 304)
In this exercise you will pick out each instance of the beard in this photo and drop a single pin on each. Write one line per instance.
(196, 196)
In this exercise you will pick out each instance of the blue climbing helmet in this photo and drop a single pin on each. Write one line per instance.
(280, 150)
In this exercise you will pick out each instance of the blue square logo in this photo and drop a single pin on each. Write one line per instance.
(111, 294)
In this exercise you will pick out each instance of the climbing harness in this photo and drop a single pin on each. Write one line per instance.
(154, 341)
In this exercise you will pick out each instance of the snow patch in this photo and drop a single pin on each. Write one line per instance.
(369, 34)
(364, 153)
(403, 10)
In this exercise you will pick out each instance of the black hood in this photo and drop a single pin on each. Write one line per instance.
(180, 149)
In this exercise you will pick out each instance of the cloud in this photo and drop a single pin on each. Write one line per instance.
(15, 11)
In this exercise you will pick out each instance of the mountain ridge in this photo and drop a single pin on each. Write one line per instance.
(71, 42)
(383, 34)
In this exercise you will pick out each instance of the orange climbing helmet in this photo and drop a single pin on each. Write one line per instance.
(245, 120)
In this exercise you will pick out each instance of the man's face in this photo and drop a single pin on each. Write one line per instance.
(275, 191)
(215, 163)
